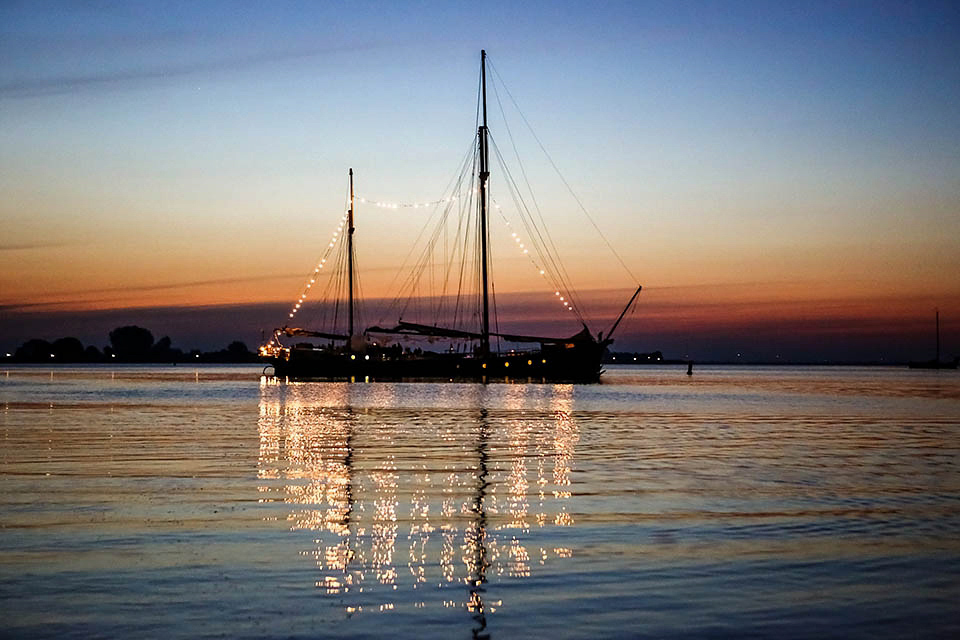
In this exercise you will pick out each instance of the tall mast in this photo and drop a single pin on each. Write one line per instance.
(350, 261)
(484, 174)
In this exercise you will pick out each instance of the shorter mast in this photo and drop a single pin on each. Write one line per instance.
(350, 265)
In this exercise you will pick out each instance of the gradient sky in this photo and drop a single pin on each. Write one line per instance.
(784, 178)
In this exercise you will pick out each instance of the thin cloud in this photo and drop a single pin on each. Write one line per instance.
(188, 284)
(73, 83)
(31, 246)
(21, 306)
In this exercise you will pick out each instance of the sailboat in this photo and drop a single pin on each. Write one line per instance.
(935, 363)
(474, 354)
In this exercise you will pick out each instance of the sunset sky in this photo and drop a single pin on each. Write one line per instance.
(783, 178)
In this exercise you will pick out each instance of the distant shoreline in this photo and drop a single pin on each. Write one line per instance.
(656, 359)
(758, 363)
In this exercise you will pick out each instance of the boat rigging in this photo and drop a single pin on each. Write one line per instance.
(369, 355)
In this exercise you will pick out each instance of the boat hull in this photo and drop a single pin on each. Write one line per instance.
(933, 364)
(581, 365)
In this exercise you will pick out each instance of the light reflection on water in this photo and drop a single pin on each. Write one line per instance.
(419, 500)
(183, 502)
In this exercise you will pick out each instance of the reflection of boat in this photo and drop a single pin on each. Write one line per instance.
(476, 536)
(397, 523)
(935, 363)
(474, 350)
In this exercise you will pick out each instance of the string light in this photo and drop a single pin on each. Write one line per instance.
(522, 246)
(335, 236)
(409, 205)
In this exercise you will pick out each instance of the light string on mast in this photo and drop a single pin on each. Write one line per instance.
(540, 239)
(312, 278)
(408, 205)
(567, 304)
(540, 234)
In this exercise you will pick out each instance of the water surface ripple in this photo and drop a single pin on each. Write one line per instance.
(740, 502)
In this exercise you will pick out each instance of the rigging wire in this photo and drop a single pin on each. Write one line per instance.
(312, 277)
(413, 279)
(562, 178)
(359, 307)
(549, 277)
(548, 249)
(453, 187)
(465, 249)
(463, 223)
(558, 274)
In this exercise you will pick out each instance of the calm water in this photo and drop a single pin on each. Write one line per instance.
(742, 502)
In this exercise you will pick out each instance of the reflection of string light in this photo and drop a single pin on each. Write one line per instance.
(523, 248)
(366, 514)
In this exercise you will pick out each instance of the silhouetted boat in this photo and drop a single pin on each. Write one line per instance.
(368, 355)
(935, 363)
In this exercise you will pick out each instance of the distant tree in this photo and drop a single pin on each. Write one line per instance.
(131, 343)
(238, 351)
(35, 350)
(163, 352)
(161, 347)
(68, 350)
(92, 354)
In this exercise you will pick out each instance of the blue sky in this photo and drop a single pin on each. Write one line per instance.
(787, 147)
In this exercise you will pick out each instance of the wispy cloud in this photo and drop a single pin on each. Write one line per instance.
(28, 246)
(189, 283)
(108, 80)
(66, 299)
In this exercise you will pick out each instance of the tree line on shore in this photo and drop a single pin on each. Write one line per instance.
(127, 344)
